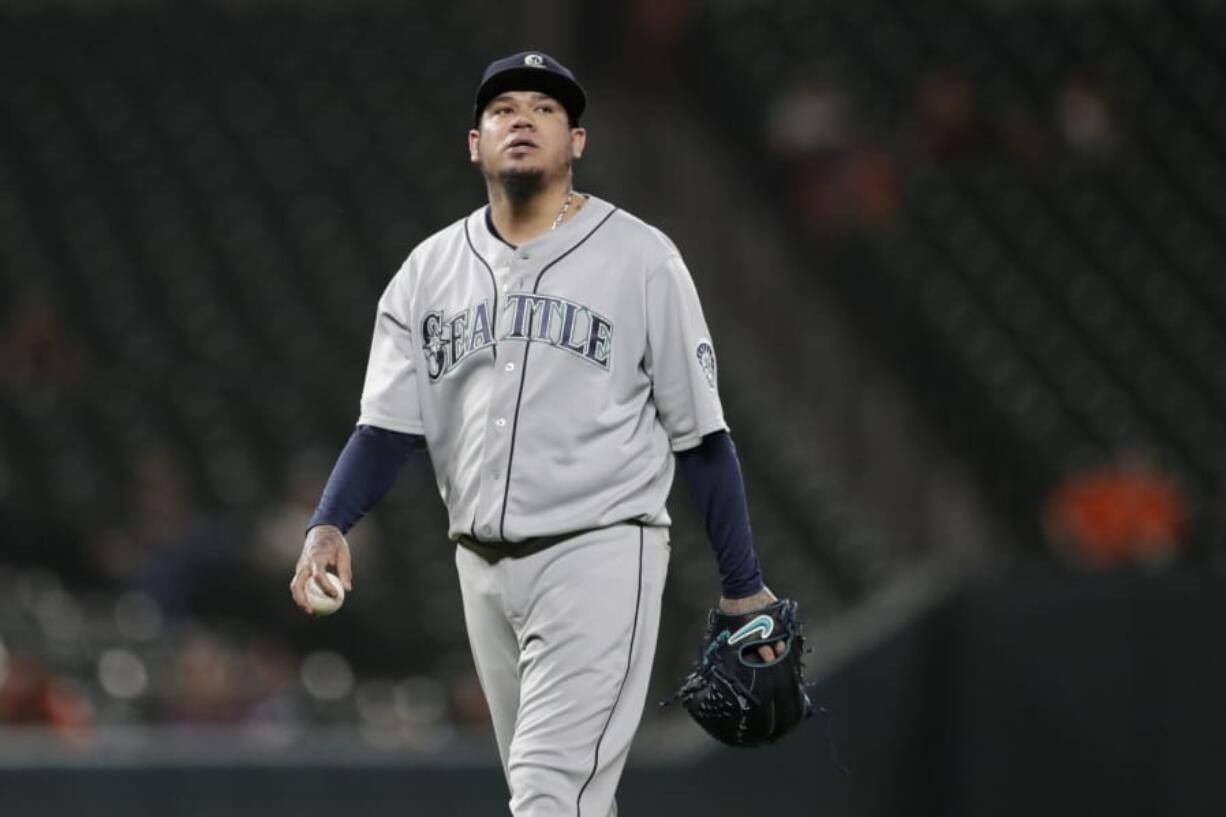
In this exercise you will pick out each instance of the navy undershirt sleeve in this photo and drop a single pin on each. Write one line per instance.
(364, 472)
(713, 474)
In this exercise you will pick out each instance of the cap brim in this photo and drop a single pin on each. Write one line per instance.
(566, 91)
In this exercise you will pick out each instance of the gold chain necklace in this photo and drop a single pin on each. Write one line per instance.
(562, 212)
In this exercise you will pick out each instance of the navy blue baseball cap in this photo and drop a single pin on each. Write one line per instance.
(531, 71)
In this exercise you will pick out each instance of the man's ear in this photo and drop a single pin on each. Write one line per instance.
(474, 137)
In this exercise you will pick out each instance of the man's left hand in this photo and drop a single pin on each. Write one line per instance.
(748, 604)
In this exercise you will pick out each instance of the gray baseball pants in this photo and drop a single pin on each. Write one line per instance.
(563, 641)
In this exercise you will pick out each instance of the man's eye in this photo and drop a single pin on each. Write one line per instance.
(545, 108)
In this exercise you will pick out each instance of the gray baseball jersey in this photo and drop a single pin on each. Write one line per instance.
(552, 381)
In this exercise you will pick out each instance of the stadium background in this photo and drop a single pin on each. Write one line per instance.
(964, 265)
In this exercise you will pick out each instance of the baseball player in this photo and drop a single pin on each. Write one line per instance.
(549, 353)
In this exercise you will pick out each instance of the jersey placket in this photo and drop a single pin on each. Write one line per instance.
(513, 276)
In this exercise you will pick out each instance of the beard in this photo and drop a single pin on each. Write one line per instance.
(522, 185)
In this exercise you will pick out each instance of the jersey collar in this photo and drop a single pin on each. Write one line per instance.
(548, 244)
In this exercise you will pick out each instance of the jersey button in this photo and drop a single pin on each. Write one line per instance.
(486, 530)
(524, 256)
(497, 475)
(500, 422)
(510, 367)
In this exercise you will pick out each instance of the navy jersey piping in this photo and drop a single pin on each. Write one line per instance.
(493, 285)
(398, 324)
(489, 225)
(494, 345)
(523, 374)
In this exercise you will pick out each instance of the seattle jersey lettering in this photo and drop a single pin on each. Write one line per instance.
(572, 327)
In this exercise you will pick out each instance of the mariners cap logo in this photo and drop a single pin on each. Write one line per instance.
(534, 61)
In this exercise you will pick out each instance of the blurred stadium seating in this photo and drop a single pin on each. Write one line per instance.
(1049, 272)
(198, 210)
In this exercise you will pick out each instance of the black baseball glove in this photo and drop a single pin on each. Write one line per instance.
(732, 693)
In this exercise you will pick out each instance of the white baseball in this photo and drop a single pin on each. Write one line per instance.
(321, 602)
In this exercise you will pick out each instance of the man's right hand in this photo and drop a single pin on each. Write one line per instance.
(324, 547)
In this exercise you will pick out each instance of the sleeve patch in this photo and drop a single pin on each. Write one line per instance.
(706, 359)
